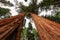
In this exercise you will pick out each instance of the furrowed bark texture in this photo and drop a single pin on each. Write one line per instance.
(47, 30)
(10, 28)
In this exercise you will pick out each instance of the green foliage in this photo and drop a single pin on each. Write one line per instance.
(23, 8)
(29, 33)
(30, 26)
(4, 12)
(36, 36)
(58, 15)
(33, 7)
(32, 36)
(24, 34)
(6, 2)
(45, 4)
(55, 18)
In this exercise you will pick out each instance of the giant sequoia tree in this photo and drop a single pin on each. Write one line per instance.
(33, 8)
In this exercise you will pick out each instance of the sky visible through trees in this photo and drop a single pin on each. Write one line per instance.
(15, 7)
(13, 10)
(49, 9)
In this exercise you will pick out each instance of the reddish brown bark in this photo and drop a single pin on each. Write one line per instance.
(19, 31)
(47, 30)
(9, 25)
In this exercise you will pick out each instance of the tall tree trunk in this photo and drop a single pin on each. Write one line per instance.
(10, 29)
(47, 30)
